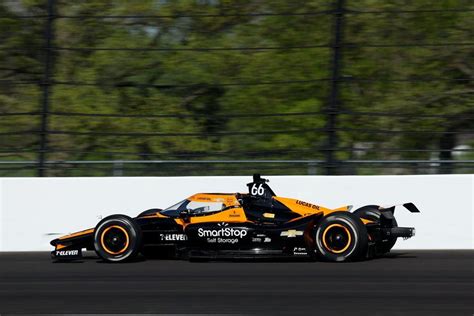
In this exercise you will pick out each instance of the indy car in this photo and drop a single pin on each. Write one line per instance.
(241, 225)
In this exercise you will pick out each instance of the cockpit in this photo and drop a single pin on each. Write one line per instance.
(193, 208)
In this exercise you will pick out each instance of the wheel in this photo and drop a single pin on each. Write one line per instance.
(341, 236)
(117, 238)
(372, 213)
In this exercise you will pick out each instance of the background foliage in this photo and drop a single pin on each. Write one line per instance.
(185, 81)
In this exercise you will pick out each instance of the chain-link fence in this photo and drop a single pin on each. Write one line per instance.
(211, 88)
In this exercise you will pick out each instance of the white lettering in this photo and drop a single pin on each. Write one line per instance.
(173, 237)
(257, 190)
(223, 232)
(67, 253)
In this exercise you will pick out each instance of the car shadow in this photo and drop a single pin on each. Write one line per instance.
(397, 255)
(134, 260)
(139, 259)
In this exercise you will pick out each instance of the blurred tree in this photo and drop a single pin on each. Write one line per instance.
(196, 91)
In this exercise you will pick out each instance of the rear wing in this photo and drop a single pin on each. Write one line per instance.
(411, 207)
(387, 212)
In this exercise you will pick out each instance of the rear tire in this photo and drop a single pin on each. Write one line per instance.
(372, 213)
(341, 236)
(117, 238)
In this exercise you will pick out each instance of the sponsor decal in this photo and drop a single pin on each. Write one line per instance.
(222, 240)
(203, 198)
(269, 215)
(264, 238)
(173, 237)
(222, 232)
(299, 251)
(256, 239)
(306, 204)
(234, 214)
(291, 233)
(68, 253)
(216, 235)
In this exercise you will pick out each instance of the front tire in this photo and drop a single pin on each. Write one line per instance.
(341, 236)
(117, 238)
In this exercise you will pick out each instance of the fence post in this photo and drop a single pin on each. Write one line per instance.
(46, 86)
(333, 104)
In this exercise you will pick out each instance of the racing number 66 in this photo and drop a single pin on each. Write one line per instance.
(257, 190)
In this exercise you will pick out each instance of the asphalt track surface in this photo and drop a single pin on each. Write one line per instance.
(408, 282)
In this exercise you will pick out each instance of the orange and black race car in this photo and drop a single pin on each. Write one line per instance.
(236, 225)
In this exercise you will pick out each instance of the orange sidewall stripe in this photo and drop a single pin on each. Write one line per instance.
(107, 249)
(346, 231)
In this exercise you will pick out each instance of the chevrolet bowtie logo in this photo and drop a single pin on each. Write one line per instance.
(291, 233)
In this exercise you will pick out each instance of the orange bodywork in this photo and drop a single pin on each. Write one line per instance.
(236, 215)
(226, 199)
(304, 208)
(81, 233)
(59, 246)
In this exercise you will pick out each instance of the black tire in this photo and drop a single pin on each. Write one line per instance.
(372, 213)
(341, 236)
(117, 238)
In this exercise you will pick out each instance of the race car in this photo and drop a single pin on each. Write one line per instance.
(241, 225)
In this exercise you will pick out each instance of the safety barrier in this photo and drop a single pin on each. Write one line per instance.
(35, 210)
